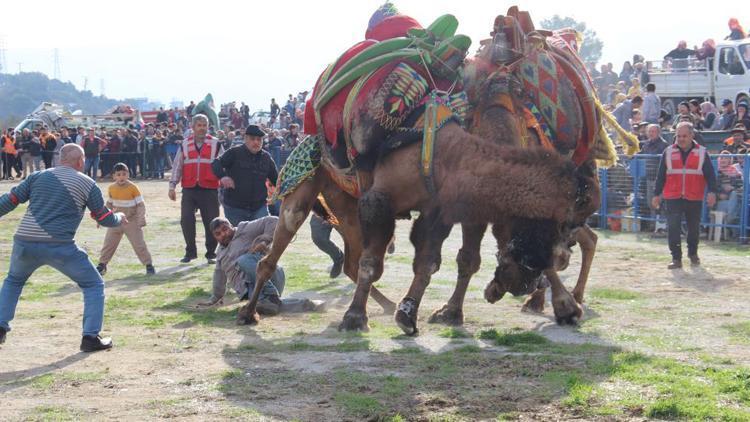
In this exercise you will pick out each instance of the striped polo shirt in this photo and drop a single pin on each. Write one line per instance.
(57, 199)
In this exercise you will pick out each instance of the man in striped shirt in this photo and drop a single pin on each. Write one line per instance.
(57, 198)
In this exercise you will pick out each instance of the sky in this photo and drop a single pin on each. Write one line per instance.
(252, 51)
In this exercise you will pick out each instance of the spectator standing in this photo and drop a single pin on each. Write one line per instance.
(728, 116)
(162, 116)
(736, 32)
(641, 73)
(115, 151)
(626, 74)
(64, 140)
(274, 147)
(92, 147)
(45, 236)
(32, 153)
(624, 112)
(292, 139)
(243, 171)
(742, 114)
(710, 116)
(129, 151)
(730, 187)
(685, 171)
(49, 144)
(274, 108)
(189, 109)
(8, 151)
(678, 56)
(192, 169)
(651, 105)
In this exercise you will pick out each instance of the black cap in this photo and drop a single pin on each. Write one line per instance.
(254, 130)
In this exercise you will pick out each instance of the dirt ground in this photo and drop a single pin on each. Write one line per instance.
(654, 343)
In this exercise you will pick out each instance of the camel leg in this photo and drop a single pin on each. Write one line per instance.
(468, 260)
(586, 238)
(344, 207)
(294, 210)
(535, 302)
(427, 235)
(377, 222)
(567, 310)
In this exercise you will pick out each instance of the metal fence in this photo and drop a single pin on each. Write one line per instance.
(627, 189)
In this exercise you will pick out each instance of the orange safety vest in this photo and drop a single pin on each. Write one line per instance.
(196, 166)
(685, 181)
(10, 145)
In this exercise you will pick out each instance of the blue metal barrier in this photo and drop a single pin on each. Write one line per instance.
(627, 189)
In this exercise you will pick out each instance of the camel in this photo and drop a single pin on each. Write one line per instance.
(545, 216)
(501, 125)
(531, 241)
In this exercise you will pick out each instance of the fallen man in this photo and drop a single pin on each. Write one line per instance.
(240, 249)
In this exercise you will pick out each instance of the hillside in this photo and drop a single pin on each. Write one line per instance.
(21, 93)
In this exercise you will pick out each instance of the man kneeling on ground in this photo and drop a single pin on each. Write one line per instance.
(240, 249)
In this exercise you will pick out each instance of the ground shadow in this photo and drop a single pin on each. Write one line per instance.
(15, 379)
(699, 278)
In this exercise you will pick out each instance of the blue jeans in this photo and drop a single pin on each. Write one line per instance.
(248, 263)
(91, 166)
(236, 215)
(67, 258)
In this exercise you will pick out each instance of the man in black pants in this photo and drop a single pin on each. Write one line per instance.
(685, 171)
(192, 169)
(321, 236)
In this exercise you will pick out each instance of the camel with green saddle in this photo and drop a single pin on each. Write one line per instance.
(534, 197)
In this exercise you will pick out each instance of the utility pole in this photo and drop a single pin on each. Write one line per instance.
(19, 67)
(85, 83)
(56, 71)
(101, 87)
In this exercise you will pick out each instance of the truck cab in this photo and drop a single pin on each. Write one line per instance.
(724, 75)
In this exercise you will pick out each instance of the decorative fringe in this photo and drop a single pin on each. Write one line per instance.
(629, 141)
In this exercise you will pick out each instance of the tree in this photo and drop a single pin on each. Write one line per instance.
(590, 49)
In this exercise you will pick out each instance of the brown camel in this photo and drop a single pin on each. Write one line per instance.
(460, 162)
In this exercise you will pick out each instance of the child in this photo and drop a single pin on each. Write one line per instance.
(125, 197)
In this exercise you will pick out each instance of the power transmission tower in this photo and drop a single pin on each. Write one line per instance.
(56, 71)
(101, 87)
(19, 67)
(3, 63)
(85, 83)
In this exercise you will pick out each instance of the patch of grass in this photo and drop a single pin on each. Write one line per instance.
(454, 332)
(52, 413)
(358, 404)
(40, 290)
(740, 332)
(516, 340)
(614, 294)
(48, 381)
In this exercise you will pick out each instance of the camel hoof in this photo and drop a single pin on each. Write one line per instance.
(534, 304)
(354, 321)
(244, 319)
(568, 313)
(406, 316)
(447, 315)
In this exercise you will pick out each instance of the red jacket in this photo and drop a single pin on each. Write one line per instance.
(685, 181)
(196, 166)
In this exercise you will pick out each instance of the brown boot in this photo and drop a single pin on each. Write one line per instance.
(675, 264)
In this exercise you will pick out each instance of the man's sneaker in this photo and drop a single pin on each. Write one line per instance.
(675, 264)
(2, 335)
(270, 306)
(187, 258)
(102, 268)
(150, 270)
(694, 260)
(95, 343)
(338, 265)
(211, 261)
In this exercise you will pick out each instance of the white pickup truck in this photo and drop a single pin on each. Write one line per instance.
(726, 75)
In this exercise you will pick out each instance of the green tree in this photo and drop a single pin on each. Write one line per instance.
(591, 48)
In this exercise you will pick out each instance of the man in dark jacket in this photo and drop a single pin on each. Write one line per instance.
(243, 171)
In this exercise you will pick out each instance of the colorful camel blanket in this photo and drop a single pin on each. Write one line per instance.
(300, 166)
(380, 82)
